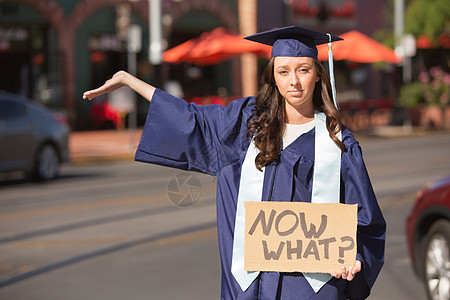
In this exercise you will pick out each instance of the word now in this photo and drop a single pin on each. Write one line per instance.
(267, 226)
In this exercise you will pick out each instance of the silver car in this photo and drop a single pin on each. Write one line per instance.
(33, 139)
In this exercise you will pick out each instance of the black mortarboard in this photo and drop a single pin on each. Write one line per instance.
(293, 41)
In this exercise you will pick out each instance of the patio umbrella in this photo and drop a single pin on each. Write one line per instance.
(214, 47)
(358, 47)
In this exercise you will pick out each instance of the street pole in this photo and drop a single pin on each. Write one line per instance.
(249, 66)
(399, 31)
(399, 21)
(134, 45)
(405, 48)
(155, 30)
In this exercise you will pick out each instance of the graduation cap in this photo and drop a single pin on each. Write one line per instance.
(293, 41)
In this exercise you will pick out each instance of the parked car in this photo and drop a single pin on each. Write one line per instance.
(32, 138)
(428, 234)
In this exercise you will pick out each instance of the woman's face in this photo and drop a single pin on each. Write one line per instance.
(296, 78)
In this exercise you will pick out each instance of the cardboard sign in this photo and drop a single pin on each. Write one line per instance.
(299, 237)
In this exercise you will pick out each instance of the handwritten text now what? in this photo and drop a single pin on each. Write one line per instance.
(278, 233)
(311, 248)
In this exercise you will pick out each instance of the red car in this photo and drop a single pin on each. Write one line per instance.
(428, 233)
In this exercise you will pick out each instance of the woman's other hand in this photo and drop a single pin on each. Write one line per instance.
(348, 273)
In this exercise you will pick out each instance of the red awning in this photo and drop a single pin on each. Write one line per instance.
(358, 47)
(214, 47)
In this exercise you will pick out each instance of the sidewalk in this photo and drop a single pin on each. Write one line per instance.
(104, 145)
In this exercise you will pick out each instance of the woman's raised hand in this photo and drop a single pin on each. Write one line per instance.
(117, 81)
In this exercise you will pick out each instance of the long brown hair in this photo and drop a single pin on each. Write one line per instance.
(267, 125)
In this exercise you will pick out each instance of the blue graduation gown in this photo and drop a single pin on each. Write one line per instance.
(212, 139)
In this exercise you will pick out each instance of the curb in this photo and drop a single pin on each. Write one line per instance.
(397, 132)
(101, 159)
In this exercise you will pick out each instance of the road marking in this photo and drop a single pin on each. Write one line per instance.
(143, 200)
(397, 201)
(199, 235)
(9, 269)
(73, 208)
(187, 238)
(64, 243)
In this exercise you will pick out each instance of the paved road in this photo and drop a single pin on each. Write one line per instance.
(398, 169)
(111, 231)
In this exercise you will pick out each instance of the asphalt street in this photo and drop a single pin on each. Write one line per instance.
(127, 230)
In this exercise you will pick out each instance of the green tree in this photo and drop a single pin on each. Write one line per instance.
(427, 17)
(385, 34)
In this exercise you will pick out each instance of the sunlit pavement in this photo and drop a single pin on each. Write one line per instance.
(89, 146)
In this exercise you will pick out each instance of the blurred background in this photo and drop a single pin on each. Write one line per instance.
(104, 229)
(52, 51)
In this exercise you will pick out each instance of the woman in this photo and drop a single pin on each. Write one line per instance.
(281, 162)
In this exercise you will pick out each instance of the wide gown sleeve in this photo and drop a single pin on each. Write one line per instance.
(193, 137)
(371, 224)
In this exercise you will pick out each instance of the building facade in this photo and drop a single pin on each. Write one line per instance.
(53, 50)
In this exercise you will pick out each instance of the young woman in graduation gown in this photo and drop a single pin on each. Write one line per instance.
(214, 140)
